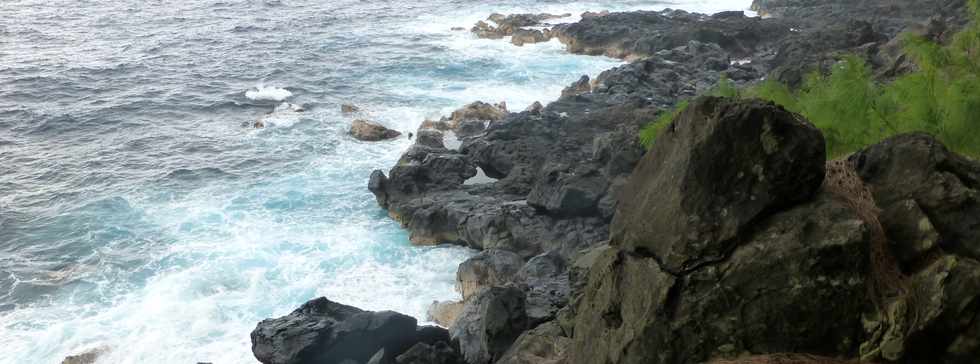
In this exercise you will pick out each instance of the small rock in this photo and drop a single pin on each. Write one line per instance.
(371, 132)
(89, 356)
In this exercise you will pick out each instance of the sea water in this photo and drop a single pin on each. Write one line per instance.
(136, 211)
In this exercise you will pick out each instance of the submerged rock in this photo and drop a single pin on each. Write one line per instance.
(371, 132)
(90, 356)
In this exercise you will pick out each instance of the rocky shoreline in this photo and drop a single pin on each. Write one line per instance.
(733, 238)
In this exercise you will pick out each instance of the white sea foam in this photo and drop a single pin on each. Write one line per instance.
(262, 92)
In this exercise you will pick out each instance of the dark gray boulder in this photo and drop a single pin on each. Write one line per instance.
(807, 263)
(490, 323)
(546, 285)
(325, 332)
(944, 185)
(720, 166)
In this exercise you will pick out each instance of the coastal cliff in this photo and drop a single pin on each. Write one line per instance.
(731, 240)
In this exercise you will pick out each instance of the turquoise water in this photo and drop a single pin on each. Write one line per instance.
(136, 212)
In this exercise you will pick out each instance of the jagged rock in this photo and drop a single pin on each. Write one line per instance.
(324, 332)
(943, 184)
(640, 34)
(371, 132)
(545, 282)
(430, 138)
(721, 165)
(535, 108)
(566, 191)
(489, 324)
(436, 125)
(581, 86)
(445, 313)
(529, 36)
(487, 269)
(545, 344)
(477, 111)
(808, 263)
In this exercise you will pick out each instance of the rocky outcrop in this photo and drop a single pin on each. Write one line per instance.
(517, 26)
(717, 168)
(641, 34)
(323, 332)
(728, 245)
(371, 132)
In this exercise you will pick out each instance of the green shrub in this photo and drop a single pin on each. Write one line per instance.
(649, 132)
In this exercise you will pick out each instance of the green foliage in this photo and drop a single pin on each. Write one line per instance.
(649, 132)
(724, 88)
(843, 106)
(941, 98)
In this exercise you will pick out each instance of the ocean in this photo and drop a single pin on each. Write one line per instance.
(138, 214)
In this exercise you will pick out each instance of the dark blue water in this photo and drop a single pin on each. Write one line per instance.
(136, 212)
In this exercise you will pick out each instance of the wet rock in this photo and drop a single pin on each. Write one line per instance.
(946, 187)
(90, 356)
(487, 269)
(430, 138)
(721, 165)
(529, 36)
(371, 132)
(322, 331)
(490, 323)
(477, 111)
(581, 86)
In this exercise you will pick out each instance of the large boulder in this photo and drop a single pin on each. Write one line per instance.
(545, 344)
(720, 166)
(546, 284)
(917, 170)
(488, 268)
(490, 323)
(797, 283)
(371, 132)
(325, 332)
